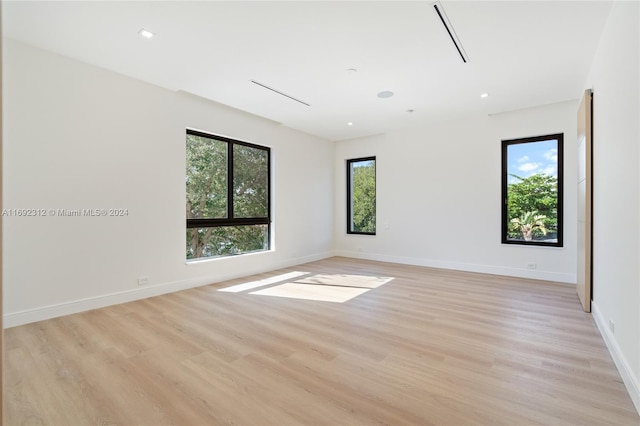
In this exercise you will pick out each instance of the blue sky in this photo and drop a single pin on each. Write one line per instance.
(528, 159)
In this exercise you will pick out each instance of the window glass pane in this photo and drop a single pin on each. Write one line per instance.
(362, 190)
(250, 182)
(533, 203)
(206, 178)
(226, 240)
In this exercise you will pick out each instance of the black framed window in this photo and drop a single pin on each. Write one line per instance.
(532, 190)
(227, 196)
(361, 196)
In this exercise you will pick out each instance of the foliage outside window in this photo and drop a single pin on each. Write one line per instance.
(227, 191)
(361, 196)
(532, 190)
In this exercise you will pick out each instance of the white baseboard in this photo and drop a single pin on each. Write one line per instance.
(80, 305)
(535, 274)
(630, 380)
(72, 307)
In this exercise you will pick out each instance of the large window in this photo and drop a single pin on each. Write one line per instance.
(227, 184)
(361, 196)
(532, 190)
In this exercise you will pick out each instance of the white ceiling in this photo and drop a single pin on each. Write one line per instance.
(523, 53)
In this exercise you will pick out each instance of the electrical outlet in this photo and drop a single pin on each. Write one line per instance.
(143, 280)
(612, 326)
(532, 265)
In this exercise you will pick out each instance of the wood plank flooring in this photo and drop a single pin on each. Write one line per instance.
(419, 347)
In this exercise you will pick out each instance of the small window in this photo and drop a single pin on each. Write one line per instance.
(361, 196)
(532, 190)
(227, 188)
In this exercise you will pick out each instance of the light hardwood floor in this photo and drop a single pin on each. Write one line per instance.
(426, 347)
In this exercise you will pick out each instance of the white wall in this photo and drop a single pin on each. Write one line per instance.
(614, 77)
(439, 192)
(77, 136)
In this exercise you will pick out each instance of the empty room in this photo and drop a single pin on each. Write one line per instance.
(320, 213)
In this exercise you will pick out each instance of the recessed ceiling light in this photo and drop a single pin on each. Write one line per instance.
(484, 95)
(349, 124)
(352, 71)
(385, 94)
(146, 33)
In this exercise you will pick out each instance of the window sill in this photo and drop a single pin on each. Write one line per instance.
(201, 260)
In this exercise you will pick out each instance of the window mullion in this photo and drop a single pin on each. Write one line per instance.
(230, 174)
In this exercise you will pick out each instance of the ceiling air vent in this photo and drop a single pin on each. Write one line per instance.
(447, 26)
(279, 92)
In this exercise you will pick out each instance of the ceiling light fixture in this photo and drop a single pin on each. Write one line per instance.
(447, 25)
(352, 71)
(484, 95)
(146, 33)
(349, 124)
(385, 94)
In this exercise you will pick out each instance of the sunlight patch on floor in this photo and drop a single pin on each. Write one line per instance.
(362, 281)
(326, 287)
(324, 293)
(264, 282)
(305, 285)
